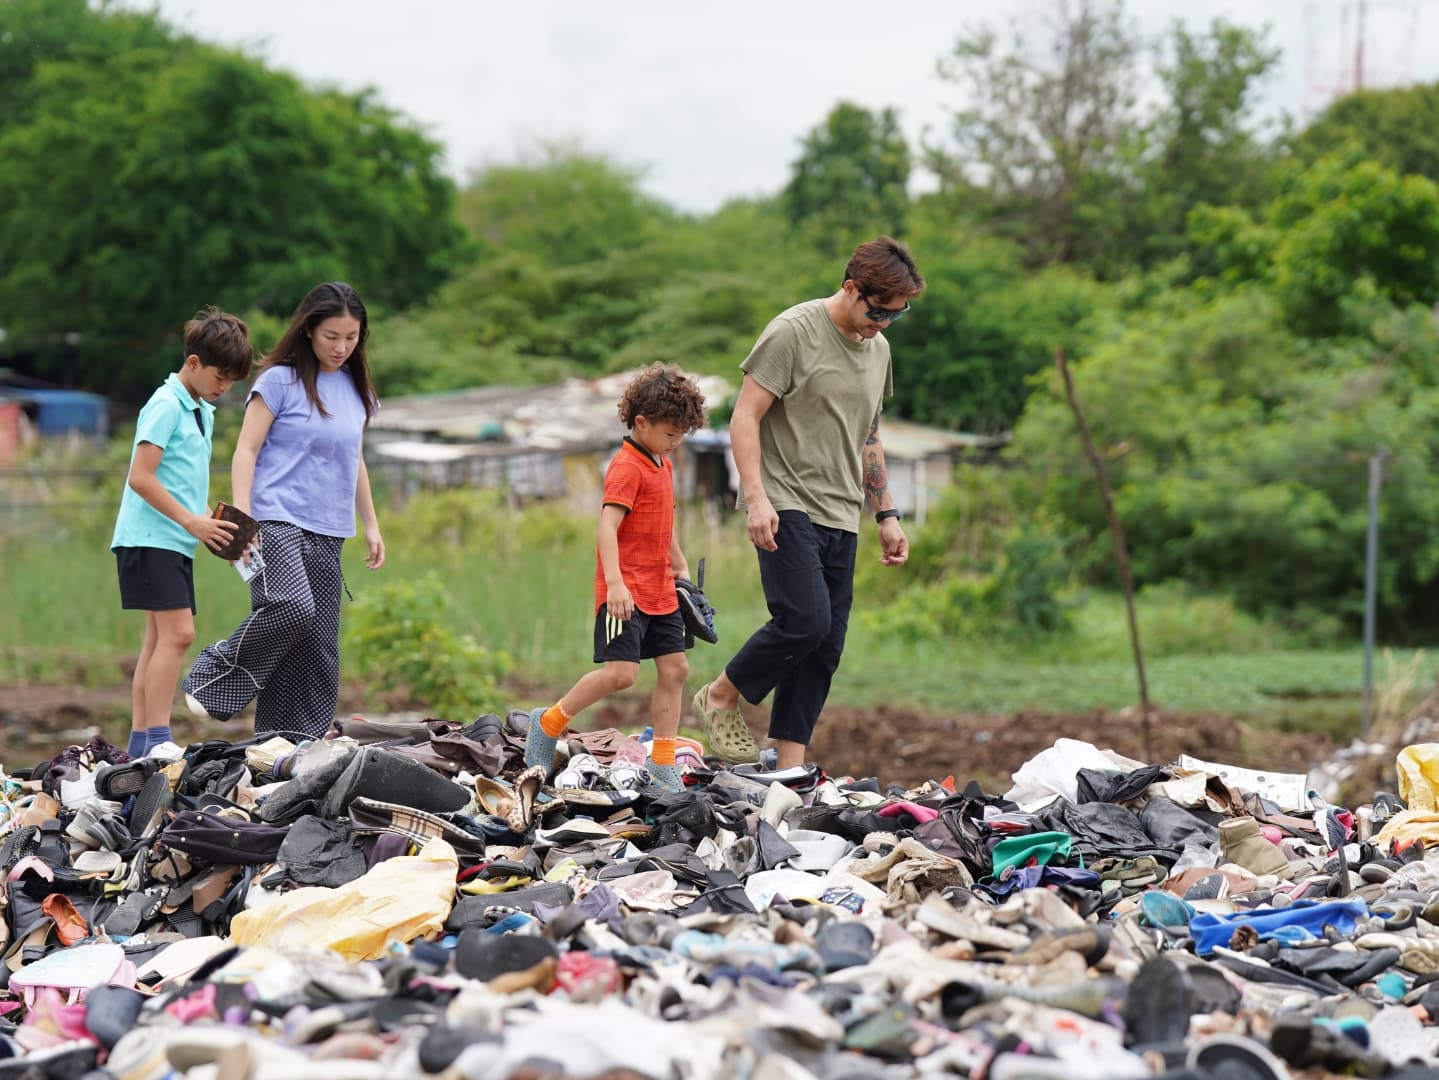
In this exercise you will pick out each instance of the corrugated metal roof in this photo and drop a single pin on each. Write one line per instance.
(579, 414)
(574, 414)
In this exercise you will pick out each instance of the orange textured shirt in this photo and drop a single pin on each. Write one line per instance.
(645, 487)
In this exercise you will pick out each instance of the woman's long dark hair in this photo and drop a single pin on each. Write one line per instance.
(295, 350)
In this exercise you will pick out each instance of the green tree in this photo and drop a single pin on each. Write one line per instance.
(1056, 151)
(850, 182)
(33, 32)
(1340, 233)
(1228, 247)
(965, 356)
(1237, 453)
(580, 272)
(562, 206)
(568, 250)
(1203, 147)
(1398, 128)
(1042, 145)
(1346, 221)
(197, 175)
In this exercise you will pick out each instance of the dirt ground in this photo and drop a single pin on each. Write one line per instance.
(897, 745)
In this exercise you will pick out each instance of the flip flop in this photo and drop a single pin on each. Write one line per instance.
(728, 735)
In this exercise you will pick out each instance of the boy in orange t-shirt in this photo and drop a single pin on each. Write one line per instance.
(637, 615)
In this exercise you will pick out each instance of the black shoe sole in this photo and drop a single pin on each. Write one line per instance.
(154, 797)
(118, 782)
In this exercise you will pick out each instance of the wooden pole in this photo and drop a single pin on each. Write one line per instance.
(1371, 582)
(1121, 552)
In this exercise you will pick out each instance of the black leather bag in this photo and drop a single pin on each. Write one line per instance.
(474, 910)
(222, 840)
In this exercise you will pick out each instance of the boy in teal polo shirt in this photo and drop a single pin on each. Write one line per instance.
(164, 511)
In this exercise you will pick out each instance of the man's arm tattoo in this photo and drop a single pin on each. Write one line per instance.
(876, 480)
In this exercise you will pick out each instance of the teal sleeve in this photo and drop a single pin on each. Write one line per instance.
(157, 421)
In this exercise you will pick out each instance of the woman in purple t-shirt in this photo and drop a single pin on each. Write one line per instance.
(300, 471)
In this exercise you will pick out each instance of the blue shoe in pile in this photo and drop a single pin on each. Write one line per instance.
(539, 747)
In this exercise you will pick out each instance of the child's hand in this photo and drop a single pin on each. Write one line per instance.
(680, 570)
(619, 603)
(212, 532)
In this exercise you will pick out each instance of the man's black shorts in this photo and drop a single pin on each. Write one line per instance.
(641, 636)
(155, 579)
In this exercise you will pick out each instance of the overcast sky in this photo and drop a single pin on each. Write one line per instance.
(711, 99)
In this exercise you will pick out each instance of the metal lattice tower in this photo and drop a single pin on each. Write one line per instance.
(1356, 44)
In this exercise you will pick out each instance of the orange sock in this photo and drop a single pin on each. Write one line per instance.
(554, 721)
(663, 751)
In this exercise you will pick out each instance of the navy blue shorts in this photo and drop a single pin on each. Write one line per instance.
(155, 579)
(641, 637)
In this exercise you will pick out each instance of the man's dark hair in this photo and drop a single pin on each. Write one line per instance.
(883, 269)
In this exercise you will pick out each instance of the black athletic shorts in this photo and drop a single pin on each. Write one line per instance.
(641, 637)
(154, 579)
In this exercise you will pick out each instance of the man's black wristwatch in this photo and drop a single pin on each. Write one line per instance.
(883, 514)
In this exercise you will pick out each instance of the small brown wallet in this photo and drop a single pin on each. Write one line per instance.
(246, 528)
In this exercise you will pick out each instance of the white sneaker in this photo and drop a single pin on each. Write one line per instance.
(167, 751)
(78, 792)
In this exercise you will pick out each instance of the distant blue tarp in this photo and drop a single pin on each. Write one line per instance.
(57, 412)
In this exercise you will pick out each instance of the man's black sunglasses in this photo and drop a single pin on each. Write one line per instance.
(883, 314)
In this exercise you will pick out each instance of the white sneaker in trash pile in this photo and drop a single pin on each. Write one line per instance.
(166, 751)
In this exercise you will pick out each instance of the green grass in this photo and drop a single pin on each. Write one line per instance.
(974, 679)
(522, 582)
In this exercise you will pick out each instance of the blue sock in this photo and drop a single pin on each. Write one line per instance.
(138, 744)
(155, 736)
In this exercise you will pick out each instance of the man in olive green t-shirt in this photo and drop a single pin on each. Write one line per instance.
(805, 435)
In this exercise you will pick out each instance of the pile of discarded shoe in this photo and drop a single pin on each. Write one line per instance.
(407, 899)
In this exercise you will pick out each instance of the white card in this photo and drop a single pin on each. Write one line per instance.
(250, 563)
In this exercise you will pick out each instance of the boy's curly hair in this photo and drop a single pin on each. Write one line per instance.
(663, 394)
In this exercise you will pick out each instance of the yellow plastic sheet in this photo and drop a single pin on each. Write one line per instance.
(1407, 826)
(399, 900)
(1418, 767)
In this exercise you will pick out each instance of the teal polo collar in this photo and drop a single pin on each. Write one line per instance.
(199, 409)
